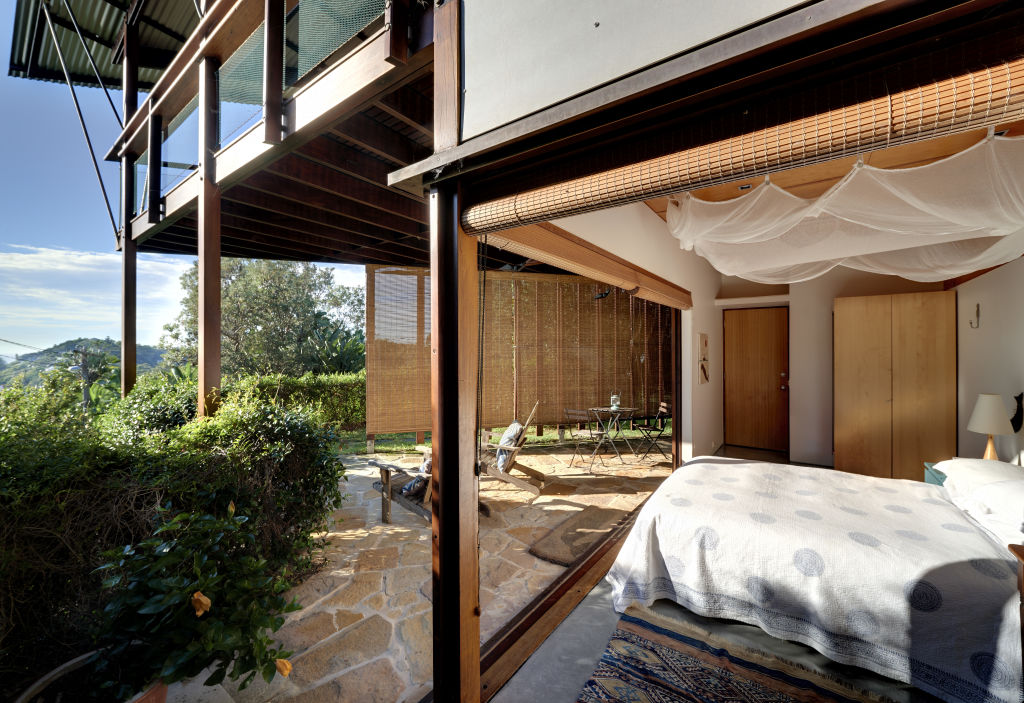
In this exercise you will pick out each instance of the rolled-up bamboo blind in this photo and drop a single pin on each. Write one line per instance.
(990, 96)
(547, 338)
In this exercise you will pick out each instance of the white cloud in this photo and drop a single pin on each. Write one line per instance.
(348, 274)
(48, 295)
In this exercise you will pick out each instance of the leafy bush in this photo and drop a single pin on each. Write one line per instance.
(154, 405)
(64, 497)
(73, 486)
(278, 465)
(194, 594)
(341, 398)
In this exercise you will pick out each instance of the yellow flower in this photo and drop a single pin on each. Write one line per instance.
(284, 667)
(231, 509)
(200, 602)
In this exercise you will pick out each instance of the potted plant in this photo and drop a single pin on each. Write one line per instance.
(194, 595)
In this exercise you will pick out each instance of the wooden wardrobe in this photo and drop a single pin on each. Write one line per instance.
(894, 382)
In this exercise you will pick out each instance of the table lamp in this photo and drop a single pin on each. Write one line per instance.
(989, 417)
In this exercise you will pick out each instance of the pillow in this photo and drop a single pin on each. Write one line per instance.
(992, 492)
(965, 476)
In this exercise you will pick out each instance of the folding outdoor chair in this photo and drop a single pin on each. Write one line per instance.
(506, 450)
(583, 430)
(652, 431)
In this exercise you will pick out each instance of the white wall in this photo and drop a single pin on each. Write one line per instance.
(990, 359)
(522, 56)
(636, 234)
(810, 354)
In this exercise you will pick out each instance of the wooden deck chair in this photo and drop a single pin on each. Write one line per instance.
(510, 450)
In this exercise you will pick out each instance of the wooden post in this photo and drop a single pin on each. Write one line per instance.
(454, 284)
(130, 103)
(421, 437)
(370, 442)
(540, 430)
(155, 144)
(385, 495)
(447, 83)
(676, 350)
(273, 70)
(209, 241)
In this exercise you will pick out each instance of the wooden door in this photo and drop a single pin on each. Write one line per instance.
(757, 378)
(862, 384)
(923, 381)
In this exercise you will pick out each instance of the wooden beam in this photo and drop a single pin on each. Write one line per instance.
(154, 169)
(321, 235)
(278, 209)
(676, 396)
(411, 108)
(454, 296)
(557, 247)
(341, 184)
(324, 200)
(283, 240)
(273, 70)
(396, 24)
(208, 242)
(336, 154)
(129, 273)
(380, 140)
(447, 76)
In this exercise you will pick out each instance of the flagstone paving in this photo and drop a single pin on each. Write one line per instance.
(364, 631)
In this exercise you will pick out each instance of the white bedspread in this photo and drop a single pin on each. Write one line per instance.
(884, 574)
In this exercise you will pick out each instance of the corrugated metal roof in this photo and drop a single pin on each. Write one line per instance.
(163, 26)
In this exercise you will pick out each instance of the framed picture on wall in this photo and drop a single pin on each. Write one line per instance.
(703, 359)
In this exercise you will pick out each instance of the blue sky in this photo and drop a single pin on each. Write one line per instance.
(59, 273)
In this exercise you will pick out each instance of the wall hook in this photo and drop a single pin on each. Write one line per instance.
(976, 322)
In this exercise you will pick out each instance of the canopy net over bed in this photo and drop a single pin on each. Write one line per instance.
(926, 223)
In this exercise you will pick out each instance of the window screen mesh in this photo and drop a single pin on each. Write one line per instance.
(316, 28)
(547, 338)
(240, 88)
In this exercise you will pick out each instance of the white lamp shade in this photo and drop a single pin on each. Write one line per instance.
(990, 416)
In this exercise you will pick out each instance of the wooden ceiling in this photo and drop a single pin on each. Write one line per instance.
(812, 181)
(328, 200)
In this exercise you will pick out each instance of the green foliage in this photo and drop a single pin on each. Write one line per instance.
(278, 465)
(156, 624)
(339, 349)
(153, 406)
(269, 309)
(73, 484)
(339, 398)
(64, 497)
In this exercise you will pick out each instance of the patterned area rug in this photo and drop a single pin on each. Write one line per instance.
(666, 660)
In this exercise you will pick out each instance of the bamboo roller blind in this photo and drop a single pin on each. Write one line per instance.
(545, 337)
(986, 97)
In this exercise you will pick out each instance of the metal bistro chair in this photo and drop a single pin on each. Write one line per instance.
(583, 430)
(652, 432)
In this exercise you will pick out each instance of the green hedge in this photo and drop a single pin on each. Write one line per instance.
(73, 486)
(341, 397)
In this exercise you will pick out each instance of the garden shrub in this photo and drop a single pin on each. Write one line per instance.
(64, 498)
(155, 404)
(194, 594)
(341, 397)
(278, 465)
(73, 486)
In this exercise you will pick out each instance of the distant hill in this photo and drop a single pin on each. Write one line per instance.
(32, 364)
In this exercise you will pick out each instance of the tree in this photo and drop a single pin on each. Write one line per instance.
(269, 312)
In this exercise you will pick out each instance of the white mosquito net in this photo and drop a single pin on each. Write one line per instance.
(927, 223)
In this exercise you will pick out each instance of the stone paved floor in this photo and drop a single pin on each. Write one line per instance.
(364, 632)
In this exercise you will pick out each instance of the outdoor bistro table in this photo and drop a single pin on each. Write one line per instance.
(609, 420)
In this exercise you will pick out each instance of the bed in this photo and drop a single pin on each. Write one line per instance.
(884, 574)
